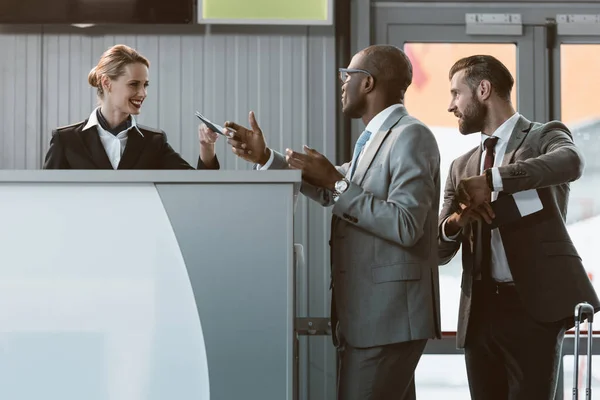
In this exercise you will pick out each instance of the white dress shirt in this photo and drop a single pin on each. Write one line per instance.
(114, 145)
(499, 263)
(373, 126)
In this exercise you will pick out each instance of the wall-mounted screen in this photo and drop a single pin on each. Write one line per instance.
(268, 12)
(96, 11)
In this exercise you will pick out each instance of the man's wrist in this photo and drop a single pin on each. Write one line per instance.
(265, 156)
(332, 181)
(489, 179)
(451, 227)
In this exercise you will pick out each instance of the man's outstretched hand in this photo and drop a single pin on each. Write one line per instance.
(248, 144)
(316, 168)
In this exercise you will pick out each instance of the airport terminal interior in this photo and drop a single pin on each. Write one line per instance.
(202, 284)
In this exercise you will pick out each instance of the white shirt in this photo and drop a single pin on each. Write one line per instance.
(114, 145)
(373, 126)
(499, 263)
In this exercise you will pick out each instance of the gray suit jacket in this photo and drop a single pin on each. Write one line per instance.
(384, 238)
(545, 266)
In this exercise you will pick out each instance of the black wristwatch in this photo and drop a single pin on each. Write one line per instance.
(490, 179)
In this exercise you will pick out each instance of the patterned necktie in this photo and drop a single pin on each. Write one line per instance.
(486, 233)
(358, 147)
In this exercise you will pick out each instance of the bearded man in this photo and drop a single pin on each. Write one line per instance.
(505, 202)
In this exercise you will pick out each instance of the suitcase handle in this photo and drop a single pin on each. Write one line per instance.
(581, 310)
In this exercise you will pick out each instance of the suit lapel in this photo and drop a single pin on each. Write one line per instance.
(474, 163)
(472, 168)
(516, 139)
(135, 145)
(94, 148)
(369, 154)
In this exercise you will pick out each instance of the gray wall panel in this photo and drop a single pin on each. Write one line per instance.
(322, 74)
(169, 92)
(149, 46)
(287, 75)
(9, 93)
(19, 97)
(33, 105)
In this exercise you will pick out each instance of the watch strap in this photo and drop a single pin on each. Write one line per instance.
(336, 193)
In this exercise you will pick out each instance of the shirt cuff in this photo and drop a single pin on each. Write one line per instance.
(268, 163)
(497, 180)
(448, 238)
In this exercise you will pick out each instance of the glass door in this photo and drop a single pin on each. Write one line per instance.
(576, 82)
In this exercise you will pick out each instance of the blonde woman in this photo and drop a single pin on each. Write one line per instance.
(110, 138)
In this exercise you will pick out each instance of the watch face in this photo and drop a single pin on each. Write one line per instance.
(340, 186)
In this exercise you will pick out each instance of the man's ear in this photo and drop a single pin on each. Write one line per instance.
(484, 90)
(368, 84)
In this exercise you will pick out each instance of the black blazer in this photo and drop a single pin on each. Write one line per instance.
(72, 148)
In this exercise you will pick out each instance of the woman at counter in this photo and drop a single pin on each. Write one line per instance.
(110, 138)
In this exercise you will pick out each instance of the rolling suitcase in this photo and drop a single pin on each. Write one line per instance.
(581, 311)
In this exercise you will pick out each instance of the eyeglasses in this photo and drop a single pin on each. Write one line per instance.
(344, 72)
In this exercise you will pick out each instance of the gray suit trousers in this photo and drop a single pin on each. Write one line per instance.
(378, 373)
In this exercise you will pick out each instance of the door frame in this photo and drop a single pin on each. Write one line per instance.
(556, 78)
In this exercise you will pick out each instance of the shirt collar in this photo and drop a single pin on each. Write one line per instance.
(93, 122)
(504, 131)
(375, 124)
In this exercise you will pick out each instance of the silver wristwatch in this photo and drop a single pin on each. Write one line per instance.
(340, 187)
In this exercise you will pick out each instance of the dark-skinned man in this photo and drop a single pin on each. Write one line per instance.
(384, 262)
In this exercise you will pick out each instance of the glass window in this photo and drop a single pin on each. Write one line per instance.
(579, 85)
(427, 99)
